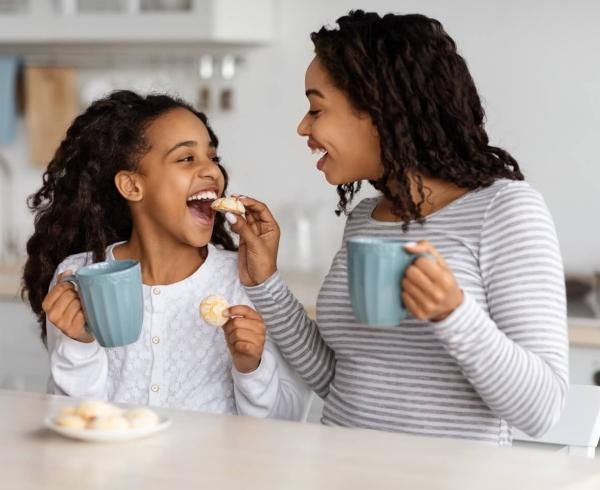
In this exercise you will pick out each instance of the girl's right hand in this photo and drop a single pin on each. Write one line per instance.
(63, 309)
(259, 241)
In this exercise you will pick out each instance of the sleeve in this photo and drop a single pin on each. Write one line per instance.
(295, 333)
(77, 369)
(516, 354)
(273, 390)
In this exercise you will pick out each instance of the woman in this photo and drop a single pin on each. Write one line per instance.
(392, 102)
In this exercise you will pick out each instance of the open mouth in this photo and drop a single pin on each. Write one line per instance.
(319, 150)
(199, 206)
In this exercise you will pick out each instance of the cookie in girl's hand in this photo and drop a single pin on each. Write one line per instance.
(212, 308)
(228, 205)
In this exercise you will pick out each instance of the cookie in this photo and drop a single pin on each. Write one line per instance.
(70, 421)
(228, 204)
(108, 423)
(91, 409)
(142, 418)
(68, 411)
(211, 310)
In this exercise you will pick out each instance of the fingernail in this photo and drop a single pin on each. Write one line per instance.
(231, 218)
(410, 244)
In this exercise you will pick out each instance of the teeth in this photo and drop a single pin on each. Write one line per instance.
(318, 150)
(204, 195)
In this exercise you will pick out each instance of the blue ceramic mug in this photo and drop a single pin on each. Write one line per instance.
(375, 270)
(112, 299)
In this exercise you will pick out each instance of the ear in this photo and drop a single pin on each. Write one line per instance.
(129, 185)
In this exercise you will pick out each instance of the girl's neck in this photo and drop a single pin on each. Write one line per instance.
(163, 261)
(438, 194)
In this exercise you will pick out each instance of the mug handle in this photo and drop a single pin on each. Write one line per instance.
(421, 254)
(72, 278)
(415, 257)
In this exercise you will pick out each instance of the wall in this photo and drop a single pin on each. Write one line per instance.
(535, 66)
(536, 69)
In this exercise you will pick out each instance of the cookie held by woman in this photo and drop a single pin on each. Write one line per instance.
(229, 204)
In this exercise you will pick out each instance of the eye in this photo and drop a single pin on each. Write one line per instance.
(313, 113)
(216, 159)
(187, 159)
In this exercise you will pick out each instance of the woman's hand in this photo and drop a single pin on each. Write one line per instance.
(429, 288)
(245, 334)
(259, 242)
(63, 309)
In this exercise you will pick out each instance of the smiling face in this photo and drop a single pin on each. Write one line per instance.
(346, 140)
(178, 178)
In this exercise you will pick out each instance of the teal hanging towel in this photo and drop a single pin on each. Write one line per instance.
(8, 98)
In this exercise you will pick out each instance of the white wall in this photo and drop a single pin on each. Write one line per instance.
(535, 63)
(536, 66)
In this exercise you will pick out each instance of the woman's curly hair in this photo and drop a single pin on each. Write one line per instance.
(78, 208)
(404, 72)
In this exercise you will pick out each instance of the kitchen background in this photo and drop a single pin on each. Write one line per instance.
(534, 61)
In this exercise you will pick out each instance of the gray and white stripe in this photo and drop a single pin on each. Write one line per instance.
(500, 360)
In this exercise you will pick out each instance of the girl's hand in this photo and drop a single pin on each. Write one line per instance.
(259, 241)
(245, 333)
(429, 288)
(63, 309)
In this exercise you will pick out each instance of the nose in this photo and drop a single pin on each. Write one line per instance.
(304, 126)
(210, 171)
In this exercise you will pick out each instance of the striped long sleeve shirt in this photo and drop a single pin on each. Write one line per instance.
(499, 360)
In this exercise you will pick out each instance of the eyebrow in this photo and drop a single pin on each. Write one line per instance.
(188, 144)
(315, 92)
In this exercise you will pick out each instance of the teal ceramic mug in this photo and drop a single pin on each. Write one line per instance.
(375, 270)
(112, 299)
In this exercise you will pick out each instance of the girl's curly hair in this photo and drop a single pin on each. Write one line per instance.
(78, 208)
(405, 72)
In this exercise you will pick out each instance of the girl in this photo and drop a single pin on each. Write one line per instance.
(392, 102)
(134, 179)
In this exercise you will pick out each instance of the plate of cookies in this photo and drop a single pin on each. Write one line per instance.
(100, 421)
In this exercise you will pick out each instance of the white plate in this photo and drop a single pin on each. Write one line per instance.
(107, 436)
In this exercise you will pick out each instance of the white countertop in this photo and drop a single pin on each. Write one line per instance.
(225, 452)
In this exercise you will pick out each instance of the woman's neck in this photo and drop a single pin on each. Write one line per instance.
(163, 261)
(438, 194)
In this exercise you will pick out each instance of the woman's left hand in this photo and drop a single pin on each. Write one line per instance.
(429, 288)
(245, 333)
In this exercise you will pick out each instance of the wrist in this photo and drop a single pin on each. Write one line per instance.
(247, 368)
(85, 338)
(260, 279)
(455, 302)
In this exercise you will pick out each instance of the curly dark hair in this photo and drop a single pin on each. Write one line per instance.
(404, 71)
(78, 208)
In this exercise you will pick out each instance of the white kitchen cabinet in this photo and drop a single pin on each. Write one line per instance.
(23, 357)
(207, 21)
